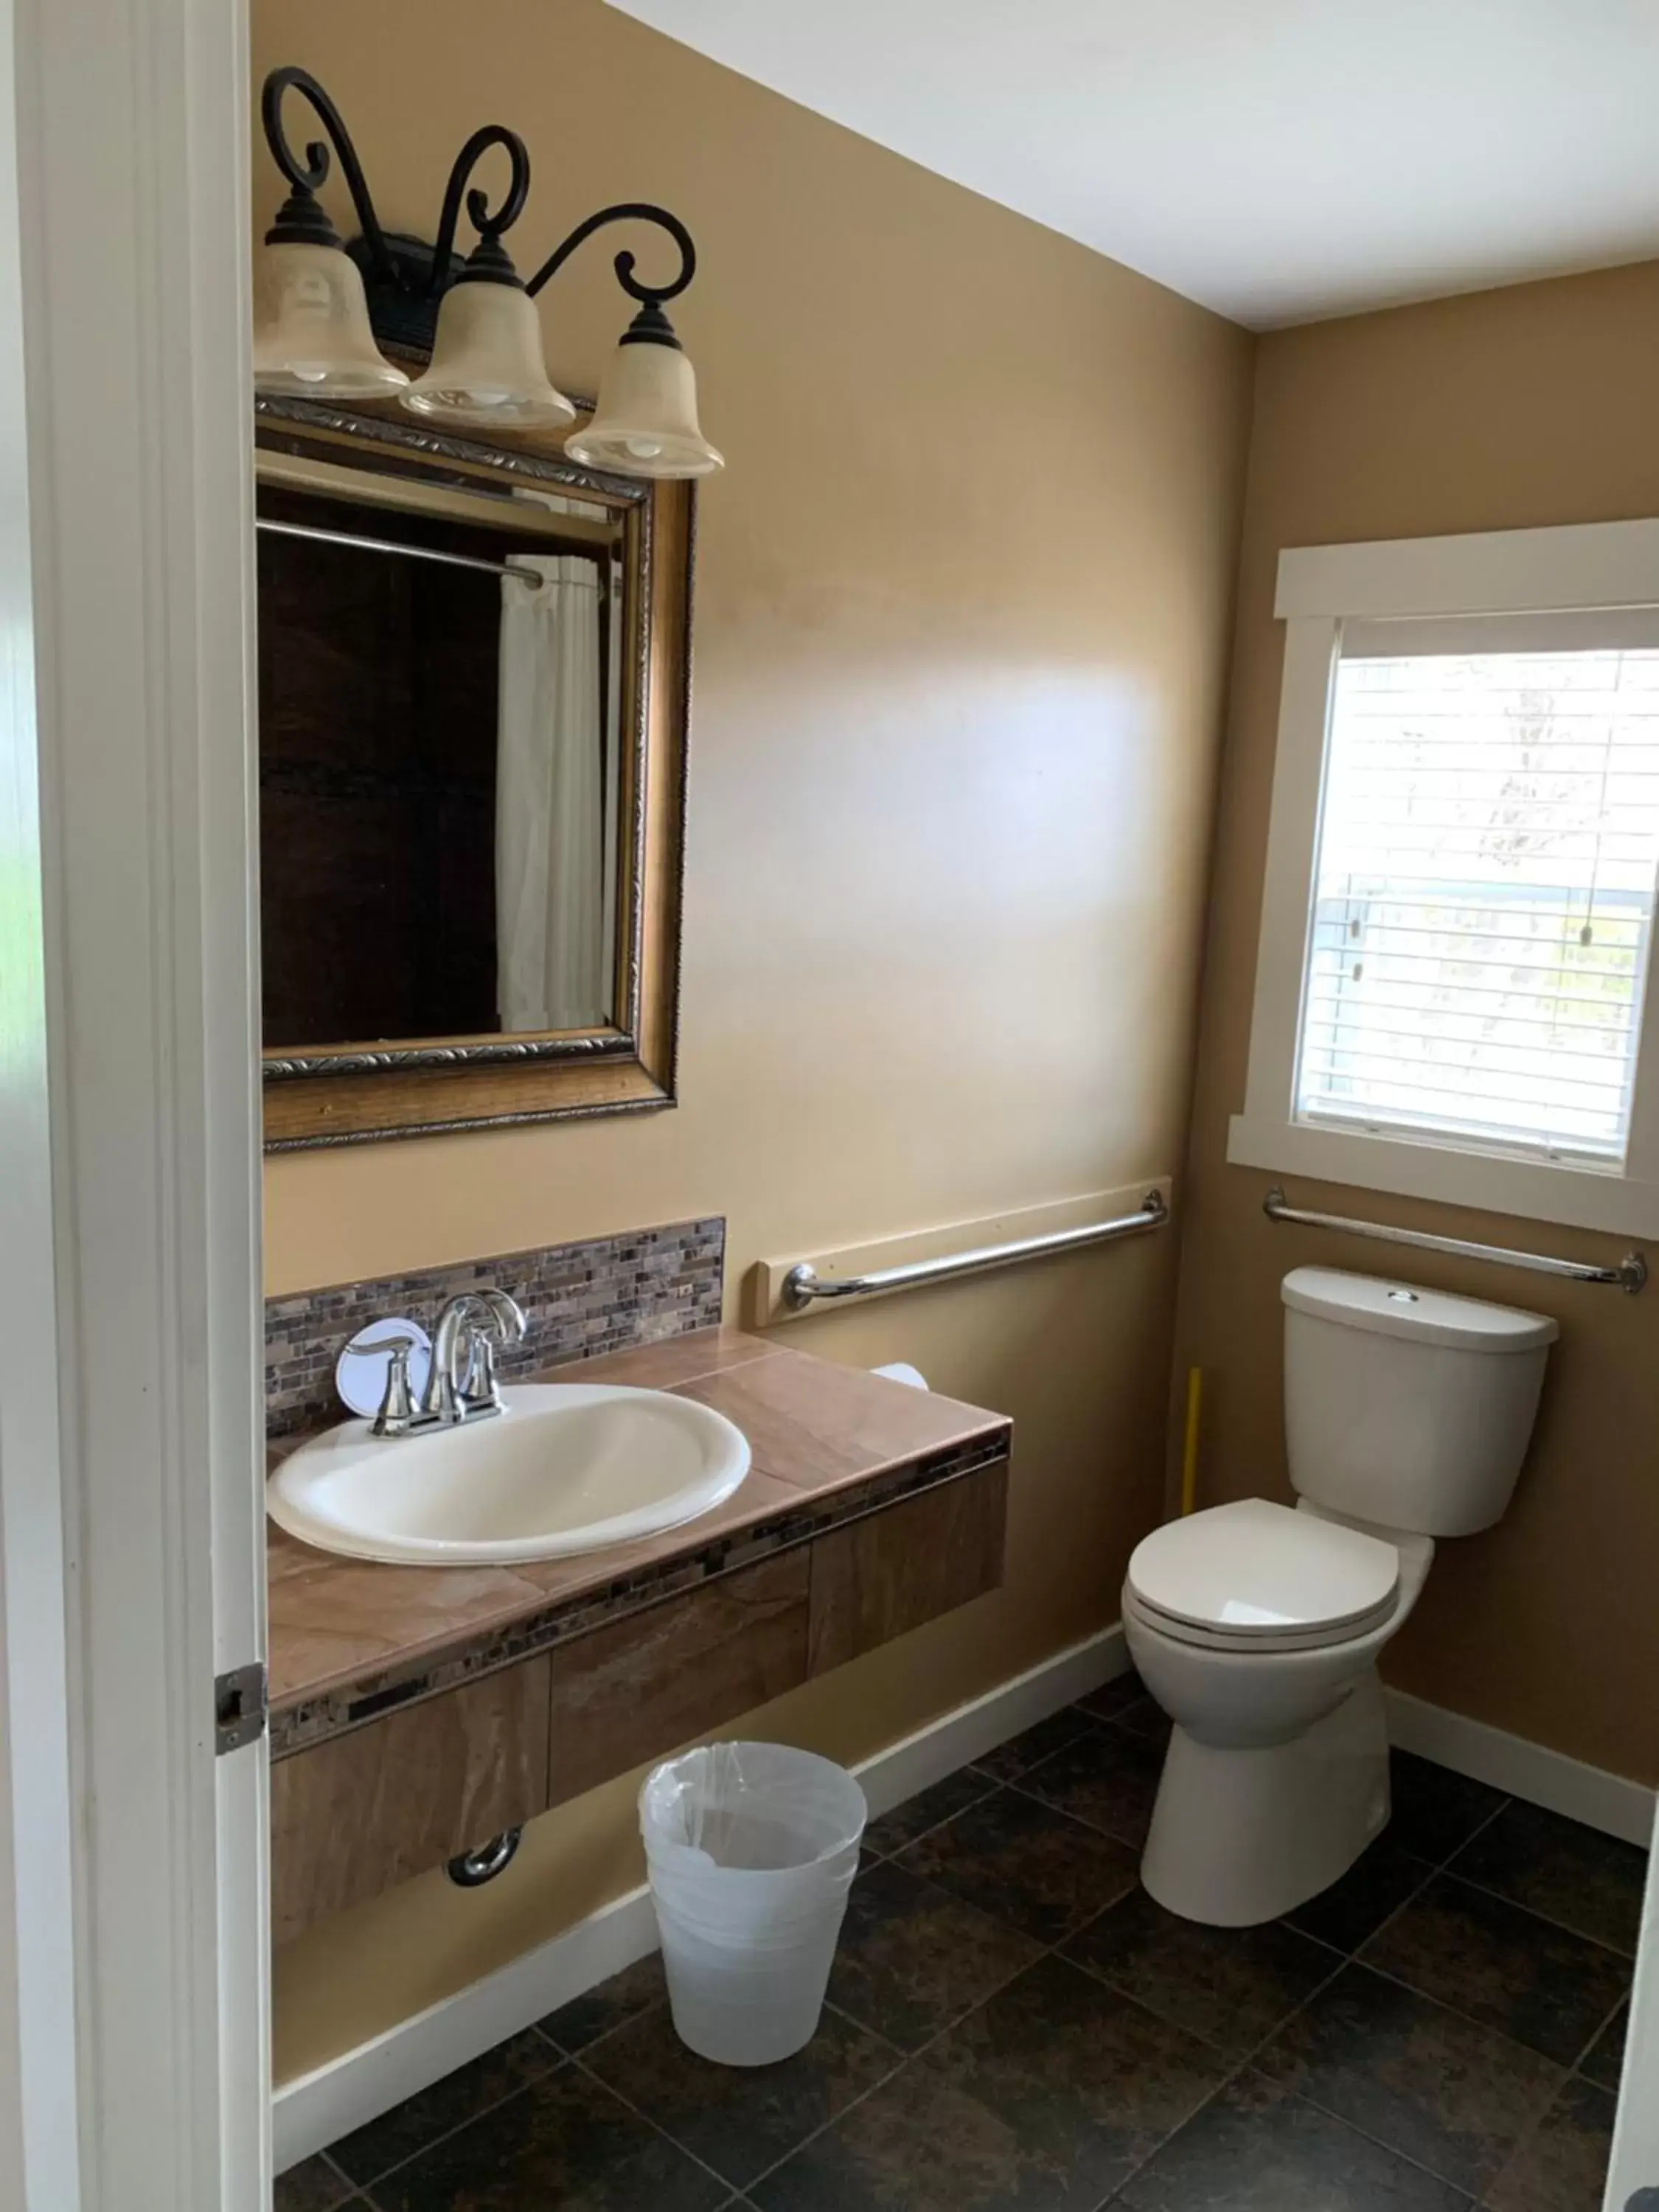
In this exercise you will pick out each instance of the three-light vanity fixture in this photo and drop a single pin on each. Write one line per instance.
(323, 309)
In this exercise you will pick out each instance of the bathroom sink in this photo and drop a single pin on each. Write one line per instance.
(564, 1468)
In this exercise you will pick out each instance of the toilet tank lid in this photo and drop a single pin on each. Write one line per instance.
(1393, 1309)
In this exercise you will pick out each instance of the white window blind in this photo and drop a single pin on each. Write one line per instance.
(1484, 885)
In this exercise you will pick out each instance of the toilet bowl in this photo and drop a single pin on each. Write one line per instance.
(1293, 1822)
(1257, 1626)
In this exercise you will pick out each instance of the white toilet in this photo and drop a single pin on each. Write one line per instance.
(1257, 1626)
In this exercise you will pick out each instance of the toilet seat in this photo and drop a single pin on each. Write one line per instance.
(1258, 1576)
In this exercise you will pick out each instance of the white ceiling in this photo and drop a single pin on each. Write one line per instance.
(1277, 159)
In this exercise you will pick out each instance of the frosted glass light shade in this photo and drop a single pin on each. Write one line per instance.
(311, 329)
(646, 423)
(487, 363)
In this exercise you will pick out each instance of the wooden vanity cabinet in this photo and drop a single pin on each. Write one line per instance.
(365, 1810)
(880, 1577)
(635, 1689)
(399, 1795)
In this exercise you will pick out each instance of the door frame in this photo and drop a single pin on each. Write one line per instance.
(134, 2010)
(1633, 2175)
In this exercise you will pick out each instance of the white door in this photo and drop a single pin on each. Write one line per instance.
(1633, 2182)
(133, 2012)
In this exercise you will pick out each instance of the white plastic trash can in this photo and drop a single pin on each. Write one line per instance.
(751, 1849)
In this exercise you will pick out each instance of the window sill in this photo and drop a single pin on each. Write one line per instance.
(1530, 1190)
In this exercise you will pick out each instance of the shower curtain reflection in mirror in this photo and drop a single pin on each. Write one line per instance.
(440, 751)
(551, 904)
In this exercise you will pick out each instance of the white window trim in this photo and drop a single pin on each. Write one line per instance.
(1590, 566)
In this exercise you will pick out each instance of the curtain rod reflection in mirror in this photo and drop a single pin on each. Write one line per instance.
(392, 545)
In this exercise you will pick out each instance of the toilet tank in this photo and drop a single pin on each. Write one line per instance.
(1406, 1407)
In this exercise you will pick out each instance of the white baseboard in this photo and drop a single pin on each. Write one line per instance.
(1607, 1801)
(317, 2109)
(904, 1769)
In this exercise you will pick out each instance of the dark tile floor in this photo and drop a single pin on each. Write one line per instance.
(1015, 2027)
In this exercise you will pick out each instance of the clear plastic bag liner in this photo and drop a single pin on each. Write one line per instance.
(752, 1808)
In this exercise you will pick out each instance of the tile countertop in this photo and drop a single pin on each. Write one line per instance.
(814, 1430)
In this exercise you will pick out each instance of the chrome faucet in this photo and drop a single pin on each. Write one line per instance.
(461, 1384)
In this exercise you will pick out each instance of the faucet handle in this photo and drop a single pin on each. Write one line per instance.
(481, 1393)
(500, 1321)
(405, 1342)
(398, 1413)
(392, 1407)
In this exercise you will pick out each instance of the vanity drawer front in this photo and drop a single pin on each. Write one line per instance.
(405, 1794)
(634, 1691)
(880, 1578)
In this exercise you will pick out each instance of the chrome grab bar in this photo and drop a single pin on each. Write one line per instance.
(1630, 1275)
(803, 1284)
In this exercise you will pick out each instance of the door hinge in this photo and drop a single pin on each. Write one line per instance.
(238, 1700)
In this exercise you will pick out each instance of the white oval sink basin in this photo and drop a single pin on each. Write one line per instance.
(566, 1467)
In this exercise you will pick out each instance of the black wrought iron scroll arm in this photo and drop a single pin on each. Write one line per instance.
(650, 296)
(301, 218)
(491, 260)
(405, 277)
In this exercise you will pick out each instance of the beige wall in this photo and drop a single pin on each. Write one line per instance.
(962, 605)
(1499, 410)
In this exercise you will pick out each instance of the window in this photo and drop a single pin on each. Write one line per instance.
(1451, 992)
(1483, 898)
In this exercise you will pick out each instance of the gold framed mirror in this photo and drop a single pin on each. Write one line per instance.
(474, 667)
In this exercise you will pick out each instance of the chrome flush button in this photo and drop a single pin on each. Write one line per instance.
(1402, 1297)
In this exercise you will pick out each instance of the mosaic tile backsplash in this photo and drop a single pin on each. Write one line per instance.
(580, 1299)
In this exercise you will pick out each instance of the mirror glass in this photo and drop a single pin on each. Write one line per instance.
(445, 694)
